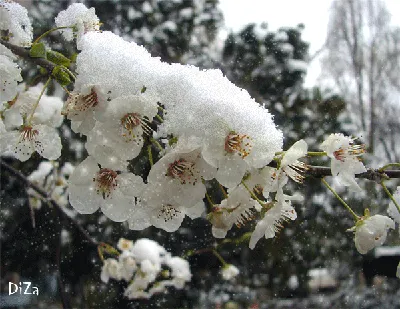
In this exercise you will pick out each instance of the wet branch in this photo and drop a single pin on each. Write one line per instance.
(48, 199)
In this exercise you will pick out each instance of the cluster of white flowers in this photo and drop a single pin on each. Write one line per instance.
(210, 129)
(147, 267)
(53, 180)
(221, 133)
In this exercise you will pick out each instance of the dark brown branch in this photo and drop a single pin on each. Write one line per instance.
(46, 197)
(24, 53)
(370, 174)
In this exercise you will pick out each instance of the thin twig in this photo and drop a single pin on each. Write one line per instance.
(63, 296)
(47, 198)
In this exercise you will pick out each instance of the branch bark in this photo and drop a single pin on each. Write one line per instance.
(24, 53)
(370, 174)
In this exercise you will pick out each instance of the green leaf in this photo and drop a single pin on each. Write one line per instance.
(38, 50)
(61, 75)
(58, 58)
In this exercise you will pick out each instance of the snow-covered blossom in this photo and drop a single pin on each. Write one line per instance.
(14, 19)
(229, 271)
(80, 19)
(128, 265)
(122, 125)
(237, 133)
(40, 138)
(392, 210)
(53, 180)
(125, 244)
(371, 232)
(183, 169)
(345, 157)
(111, 269)
(180, 271)
(92, 187)
(10, 75)
(145, 265)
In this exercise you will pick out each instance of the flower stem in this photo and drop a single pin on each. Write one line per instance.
(316, 153)
(155, 142)
(390, 195)
(223, 190)
(209, 200)
(66, 90)
(219, 257)
(388, 165)
(253, 195)
(159, 118)
(38, 99)
(49, 31)
(340, 199)
(150, 155)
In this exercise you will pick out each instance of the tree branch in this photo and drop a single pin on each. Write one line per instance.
(24, 53)
(370, 174)
(45, 196)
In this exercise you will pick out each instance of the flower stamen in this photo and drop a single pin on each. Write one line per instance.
(28, 134)
(168, 212)
(238, 143)
(78, 102)
(352, 151)
(296, 171)
(183, 171)
(106, 182)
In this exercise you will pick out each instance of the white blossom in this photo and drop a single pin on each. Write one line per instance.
(371, 232)
(122, 125)
(92, 187)
(47, 112)
(281, 211)
(111, 269)
(159, 207)
(237, 208)
(180, 271)
(80, 19)
(345, 161)
(183, 170)
(125, 244)
(10, 75)
(14, 18)
(40, 138)
(83, 103)
(290, 164)
(229, 272)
